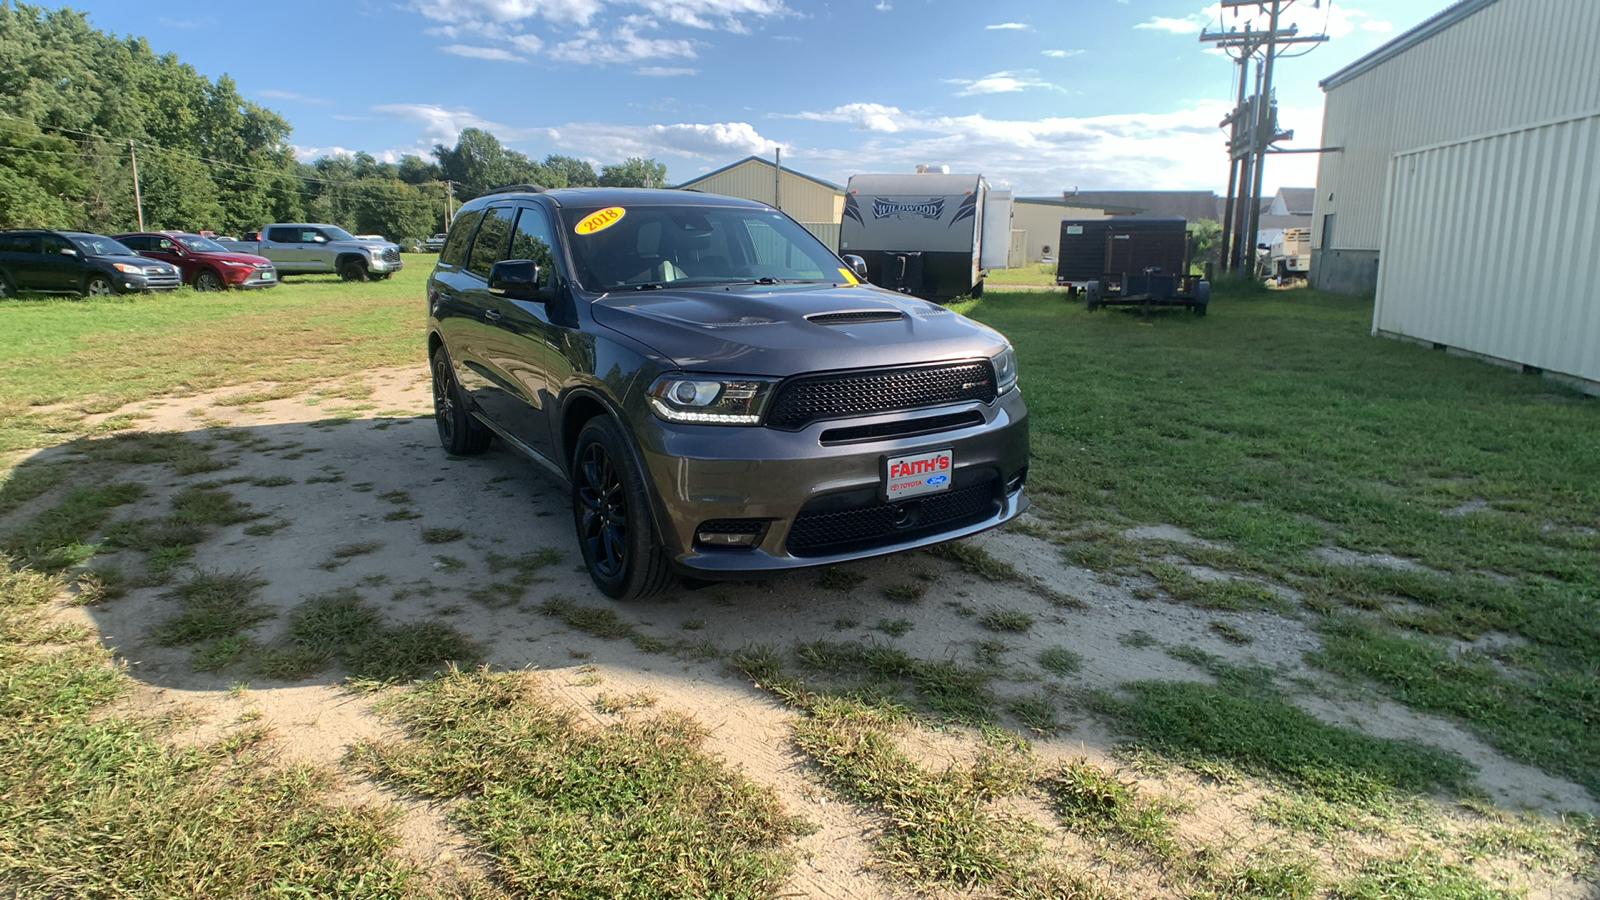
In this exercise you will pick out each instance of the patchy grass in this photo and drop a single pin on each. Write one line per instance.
(1060, 661)
(940, 828)
(59, 536)
(442, 535)
(836, 579)
(1008, 620)
(1308, 433)
(975, 559)
(877, 674)
(1096, 803)
(213, 606)
(342, 628)
(634, 809)
(81, 786)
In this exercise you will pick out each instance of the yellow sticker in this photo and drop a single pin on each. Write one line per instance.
(849, 276)
(600, 220)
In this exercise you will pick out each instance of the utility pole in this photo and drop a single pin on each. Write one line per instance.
(138, 201)
(777, 177)
(1253, 125)
(449, 203)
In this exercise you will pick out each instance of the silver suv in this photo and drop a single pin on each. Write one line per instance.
(720, 394)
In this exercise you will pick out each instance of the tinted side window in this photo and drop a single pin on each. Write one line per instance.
(455, 247)
(489, 246)
(135, 242)
(164, 244)
(532, 239)
(54, 244)
(283, 235)
(19, 243)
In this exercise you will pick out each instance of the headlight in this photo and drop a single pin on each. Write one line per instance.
(242, 265)
(1005, 370)
(711, 399)
(128, 268)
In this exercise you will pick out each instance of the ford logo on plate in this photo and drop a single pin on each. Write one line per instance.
(937, 479)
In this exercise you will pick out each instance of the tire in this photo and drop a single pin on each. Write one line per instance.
(7, 291)
(98, 286)
(207, 280)
(1091, 296)
(459, 433)
(611, 515)
(353, 270)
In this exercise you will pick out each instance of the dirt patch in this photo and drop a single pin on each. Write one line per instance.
(354, 465)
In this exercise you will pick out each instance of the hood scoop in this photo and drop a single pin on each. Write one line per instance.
(855, 317)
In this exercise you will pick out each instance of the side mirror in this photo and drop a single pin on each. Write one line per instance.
(67, 251)
(856, 264)
(520, 279)
(320, 238)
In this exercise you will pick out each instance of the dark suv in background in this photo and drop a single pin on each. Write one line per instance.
(721, 393)
(73, 262)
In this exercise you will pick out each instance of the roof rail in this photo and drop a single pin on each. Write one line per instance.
(517, 189)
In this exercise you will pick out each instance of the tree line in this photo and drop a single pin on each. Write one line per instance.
(80, 109)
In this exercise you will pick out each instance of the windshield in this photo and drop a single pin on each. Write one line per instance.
(335, 233)
(197, 244)
(100, 245)
(646, 247)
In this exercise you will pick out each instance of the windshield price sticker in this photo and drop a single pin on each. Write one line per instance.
(920, 473)
(600, 220)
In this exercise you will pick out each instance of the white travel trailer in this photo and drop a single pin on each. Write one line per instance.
(930, 234)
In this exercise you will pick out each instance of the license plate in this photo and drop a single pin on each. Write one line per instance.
(268, 276)
(919, 473)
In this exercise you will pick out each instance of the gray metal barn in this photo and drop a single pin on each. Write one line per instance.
(812, 202)
(1466, 187)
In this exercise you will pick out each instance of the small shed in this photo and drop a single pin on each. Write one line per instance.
(812, 202)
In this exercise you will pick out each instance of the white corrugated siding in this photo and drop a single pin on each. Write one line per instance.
(1491, 246)
(1512, 63)
(826, 232)
(803, 199)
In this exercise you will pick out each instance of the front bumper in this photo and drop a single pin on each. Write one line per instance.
(252, 279)
(388, 262)
(129, 283)
(814, 503)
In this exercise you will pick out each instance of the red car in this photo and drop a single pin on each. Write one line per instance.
(205, 264)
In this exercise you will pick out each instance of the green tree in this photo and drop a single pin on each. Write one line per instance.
(565, 171)
(635, 172)
(1204, 234)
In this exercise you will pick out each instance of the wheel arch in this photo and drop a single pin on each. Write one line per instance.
(345, 257)
(580, 406)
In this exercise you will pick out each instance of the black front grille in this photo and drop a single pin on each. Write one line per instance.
(836, 395)
(877, 524)
(391, 255)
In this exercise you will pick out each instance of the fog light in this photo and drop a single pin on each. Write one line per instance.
(737, 533)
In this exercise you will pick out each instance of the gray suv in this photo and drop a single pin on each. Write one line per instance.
(722, 395)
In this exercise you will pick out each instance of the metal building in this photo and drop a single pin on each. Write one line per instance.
(1478, 67)
(1465, 187)
(812, 202)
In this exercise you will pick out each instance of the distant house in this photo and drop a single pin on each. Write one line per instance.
(1041, 218)
(814, 203)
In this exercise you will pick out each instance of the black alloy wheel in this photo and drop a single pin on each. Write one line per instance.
(207, 280)
(611, 514)
(459, 433)
(603, 512)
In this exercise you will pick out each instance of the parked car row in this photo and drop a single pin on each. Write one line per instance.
(74, 262)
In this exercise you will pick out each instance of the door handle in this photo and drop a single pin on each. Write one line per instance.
(493, 315)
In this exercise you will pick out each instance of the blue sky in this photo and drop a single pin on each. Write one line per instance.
(1040, 97)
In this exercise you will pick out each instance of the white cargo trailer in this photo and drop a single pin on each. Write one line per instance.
(930, 234)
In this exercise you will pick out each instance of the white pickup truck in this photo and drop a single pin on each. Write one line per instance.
(1291, 255)
(310, 249)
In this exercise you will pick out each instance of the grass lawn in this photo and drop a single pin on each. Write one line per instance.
(1275, 428)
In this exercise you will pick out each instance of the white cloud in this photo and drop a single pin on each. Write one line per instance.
(623, 46)
(664, 71)
(308, 154)
(527, 43)
(883, 6)
(1000, 83)
(870, 116)
(274, 94)
(1334, 19)
(579, 11)
(475, 52)
(1175, 26)
(440, 125)
(714, 139)
(1009, 26)
(1061, 54)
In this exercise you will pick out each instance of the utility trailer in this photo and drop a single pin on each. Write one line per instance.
(1291, 255)
(931, 234)
(1130, 261)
